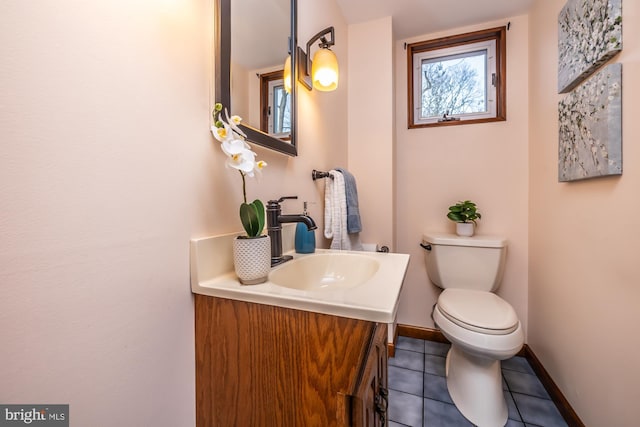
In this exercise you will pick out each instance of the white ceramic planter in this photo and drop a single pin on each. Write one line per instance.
(252, 259)
(465, 229)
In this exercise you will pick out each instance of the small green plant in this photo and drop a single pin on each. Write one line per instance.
(464, 212)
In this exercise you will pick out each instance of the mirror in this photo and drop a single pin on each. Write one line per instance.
(252, 38)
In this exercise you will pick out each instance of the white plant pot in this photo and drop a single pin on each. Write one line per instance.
(465, 229)
(252, 259)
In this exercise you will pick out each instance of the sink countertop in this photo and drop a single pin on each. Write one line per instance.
(375, 300)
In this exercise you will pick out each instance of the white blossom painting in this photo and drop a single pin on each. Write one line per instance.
(590, 143)
(589, 34)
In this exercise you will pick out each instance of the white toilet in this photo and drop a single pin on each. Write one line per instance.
(482, 327)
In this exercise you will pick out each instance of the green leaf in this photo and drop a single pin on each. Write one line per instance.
(249, 219)
(261, 216)
(252, 217)
(454, 217)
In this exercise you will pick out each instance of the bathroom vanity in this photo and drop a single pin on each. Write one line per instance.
(308, 347)
(261, 365)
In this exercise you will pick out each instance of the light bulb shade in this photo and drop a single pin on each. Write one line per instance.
(324, 70)
(287, 74)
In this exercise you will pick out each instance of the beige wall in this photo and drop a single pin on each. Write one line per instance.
(245, 92)
(107, 170)
(240, 91)
(584, 295)
(371, 127)
(486, 163)
(322, 119)
(105, 156)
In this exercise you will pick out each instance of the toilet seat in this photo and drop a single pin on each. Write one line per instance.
(473, 368)
(478, 311)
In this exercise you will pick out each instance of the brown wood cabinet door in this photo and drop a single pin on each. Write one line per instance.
(261, 366)
(370, 400)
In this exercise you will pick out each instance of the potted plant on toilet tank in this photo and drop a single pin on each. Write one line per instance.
(464, 214)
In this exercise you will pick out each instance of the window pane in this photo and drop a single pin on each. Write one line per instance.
(454, 84)
(282, 110)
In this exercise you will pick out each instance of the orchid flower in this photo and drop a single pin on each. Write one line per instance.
(261, 164)
(240, 157)
(243, 160)
(233, 146)
(234, 122)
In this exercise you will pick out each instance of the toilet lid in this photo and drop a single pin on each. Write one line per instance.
(478, 310)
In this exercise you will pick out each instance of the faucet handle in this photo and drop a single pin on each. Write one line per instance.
(280, 200)
(286, 197)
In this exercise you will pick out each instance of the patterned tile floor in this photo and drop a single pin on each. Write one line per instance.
(418, 395)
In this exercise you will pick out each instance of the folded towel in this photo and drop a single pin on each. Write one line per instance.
(335, 212)
(354, 224)
(335, 215)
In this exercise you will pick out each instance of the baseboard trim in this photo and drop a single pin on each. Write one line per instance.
(556, 395)
(428, 334)
(391, 347)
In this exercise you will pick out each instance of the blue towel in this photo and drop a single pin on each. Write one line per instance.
(354, 224)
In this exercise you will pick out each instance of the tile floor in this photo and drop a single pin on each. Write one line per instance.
(418, 393)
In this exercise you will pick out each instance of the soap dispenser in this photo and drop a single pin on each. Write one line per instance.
(305, 238)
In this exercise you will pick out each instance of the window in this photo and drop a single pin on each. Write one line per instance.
(279, 113)
(458, 80)
(275, 104)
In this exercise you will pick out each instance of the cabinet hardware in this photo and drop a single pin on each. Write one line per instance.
(382, 403)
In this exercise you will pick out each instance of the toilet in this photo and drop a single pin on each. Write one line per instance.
(482, 327)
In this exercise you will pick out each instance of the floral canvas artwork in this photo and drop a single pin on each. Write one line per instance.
(590, 143)
(589, 34)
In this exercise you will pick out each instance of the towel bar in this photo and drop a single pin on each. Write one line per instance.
(318, 174)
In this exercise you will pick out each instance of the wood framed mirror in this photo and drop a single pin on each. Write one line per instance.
(245, 31)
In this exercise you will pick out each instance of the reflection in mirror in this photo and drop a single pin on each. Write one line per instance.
(253, 43)
(275, 105)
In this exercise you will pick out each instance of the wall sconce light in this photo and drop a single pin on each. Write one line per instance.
(287, 74)
(322, 72)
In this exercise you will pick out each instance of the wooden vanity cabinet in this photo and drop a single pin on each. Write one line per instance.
(369, 407)
(261, 365)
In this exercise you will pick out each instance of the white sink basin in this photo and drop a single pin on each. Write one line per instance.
(325, 272)
(358, 285)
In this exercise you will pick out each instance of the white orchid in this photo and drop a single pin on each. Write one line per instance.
(240, 157)
(220, 133)
(234, 123)
(233, 146)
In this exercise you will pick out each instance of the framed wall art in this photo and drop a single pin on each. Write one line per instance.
(590, 133)
(589, 34)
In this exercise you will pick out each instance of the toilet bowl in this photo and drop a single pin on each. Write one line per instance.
(473, 371)
(483, 328)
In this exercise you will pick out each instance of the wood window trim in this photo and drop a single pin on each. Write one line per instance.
(265, 79)
(498, 34)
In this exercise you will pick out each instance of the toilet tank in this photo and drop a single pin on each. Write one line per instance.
(465, 262)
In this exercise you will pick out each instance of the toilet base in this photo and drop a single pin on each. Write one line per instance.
(475, 386)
